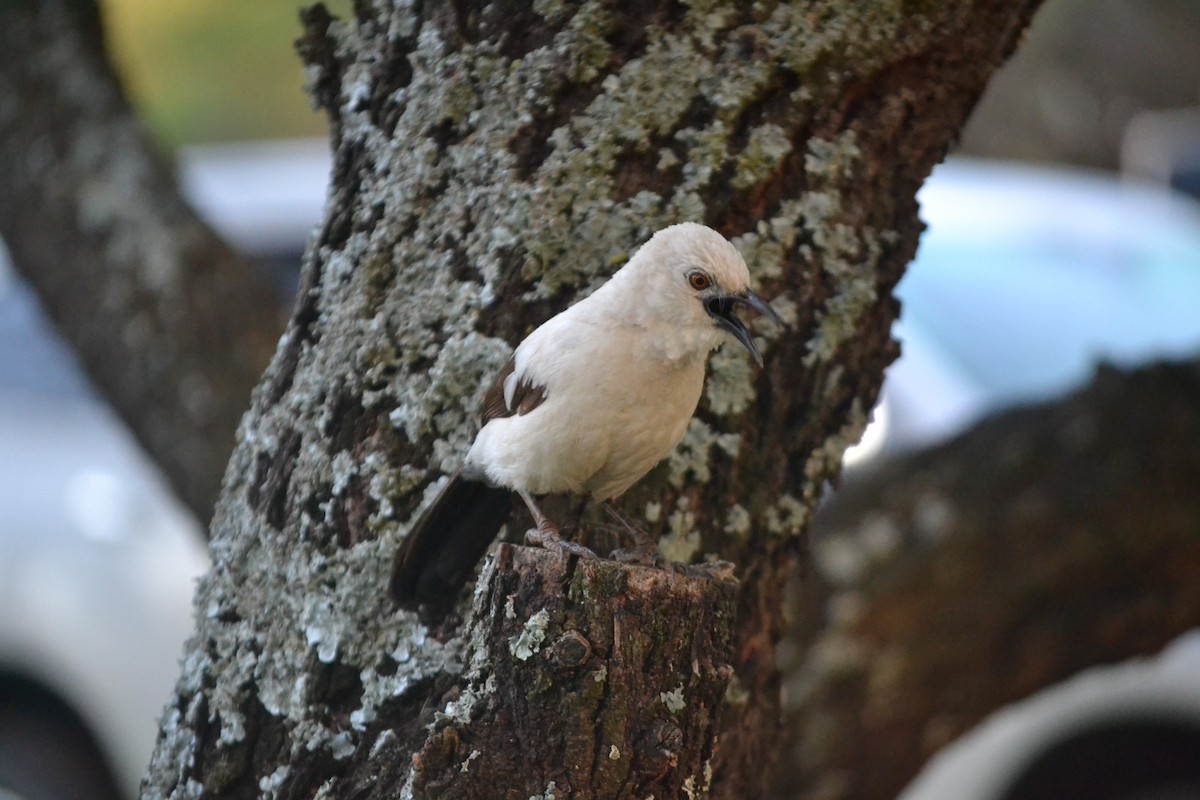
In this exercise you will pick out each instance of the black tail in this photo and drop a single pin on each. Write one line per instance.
(446, 543)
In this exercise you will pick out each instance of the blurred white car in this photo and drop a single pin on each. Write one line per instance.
(97, 559)
(1126, 731)
(97, 565)
(1025, 277)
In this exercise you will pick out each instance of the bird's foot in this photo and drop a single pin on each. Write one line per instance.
(712, 570)
(549, 538)
(645, 547)
(641, 556)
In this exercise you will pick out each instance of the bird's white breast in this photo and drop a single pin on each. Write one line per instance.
(618, 400)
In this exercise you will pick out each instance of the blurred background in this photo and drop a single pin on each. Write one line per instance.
(223, 71)
(219, 71)
(1064, 231)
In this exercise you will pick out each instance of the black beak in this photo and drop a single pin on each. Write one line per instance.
(722, 309)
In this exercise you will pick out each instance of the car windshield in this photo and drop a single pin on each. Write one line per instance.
(1026, 308)
(1018, 323)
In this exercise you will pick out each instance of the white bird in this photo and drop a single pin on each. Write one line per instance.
(589, 403)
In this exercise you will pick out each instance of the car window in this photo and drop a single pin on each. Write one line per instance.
(1027, 303)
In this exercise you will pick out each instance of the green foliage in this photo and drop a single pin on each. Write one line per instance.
(211, 70)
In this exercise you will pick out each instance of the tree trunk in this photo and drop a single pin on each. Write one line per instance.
(170, 325)
(492, 164)
(1044, 541)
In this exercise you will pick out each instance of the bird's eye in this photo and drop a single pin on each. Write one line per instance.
(699, 281)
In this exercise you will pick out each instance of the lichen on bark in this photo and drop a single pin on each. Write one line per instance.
(492, 164)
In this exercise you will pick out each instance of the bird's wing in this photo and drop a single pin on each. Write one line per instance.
(511, 394)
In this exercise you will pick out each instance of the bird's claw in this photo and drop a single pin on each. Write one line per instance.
(713, 570)
(551, 539)
(645, 546)
(644, 557)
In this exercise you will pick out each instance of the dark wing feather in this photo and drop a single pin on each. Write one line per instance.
(446, 543)
(440, 552)
(526, 396)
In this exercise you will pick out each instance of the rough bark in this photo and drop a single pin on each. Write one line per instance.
(171, 326)
(492, 163)
(596, 691)
(1044, 541)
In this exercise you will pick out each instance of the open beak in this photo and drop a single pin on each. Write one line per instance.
(722, 309)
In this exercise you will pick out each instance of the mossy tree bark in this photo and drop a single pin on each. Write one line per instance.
(172, 327)
(493, 162)
(1044, 541)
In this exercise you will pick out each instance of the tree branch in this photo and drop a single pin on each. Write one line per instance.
(171, 326)
(1045, 540)
(598, 690)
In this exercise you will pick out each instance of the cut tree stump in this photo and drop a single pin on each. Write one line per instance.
(637, 656)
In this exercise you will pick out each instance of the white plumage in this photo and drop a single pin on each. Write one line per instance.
(622, 370)
(596, 396)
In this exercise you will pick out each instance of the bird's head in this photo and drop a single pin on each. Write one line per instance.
(694, 279)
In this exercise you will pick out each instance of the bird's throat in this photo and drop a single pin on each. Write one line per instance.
(680, 345)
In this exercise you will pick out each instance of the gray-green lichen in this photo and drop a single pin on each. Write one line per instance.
(787, 516)
(529, 640)
(681, 542)
(738, 522)
(847, 255)
(673, 700)
(269, 785)
(397, 326)
(736, 694)
(729, 389)
(764, 153)
(693, 792)
(846, 556)
(825, 460)
(691, 459)
(466, 764)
